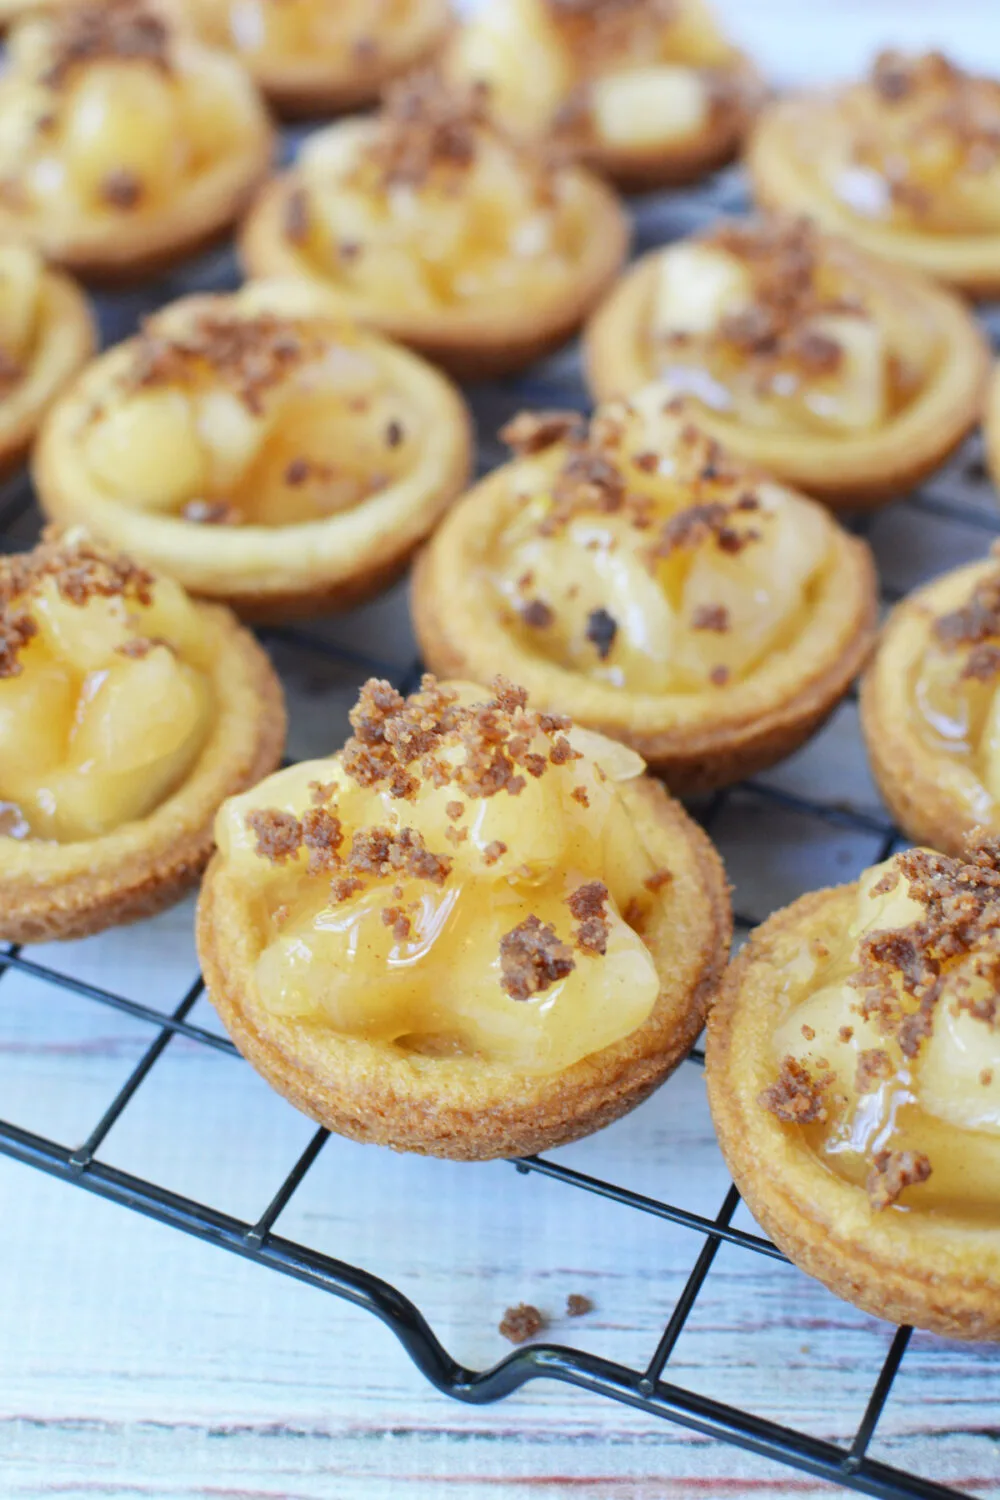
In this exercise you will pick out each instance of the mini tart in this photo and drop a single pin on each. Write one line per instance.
(905, 162)
(647, 92)
(930, 707)
(46, 334)
(832, 369)
(706, 617)
(475, 932)
(128, 714)
(431, 224)
(853, 1066)
(321, 56)
(259, 449)
(123, 144)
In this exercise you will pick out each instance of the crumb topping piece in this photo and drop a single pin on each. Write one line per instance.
(797, 1096)
(521, 1323)
(588, 904)
(251, 355)
(892, 1172)
(80, 569)
(533, 958)
(577, 1305)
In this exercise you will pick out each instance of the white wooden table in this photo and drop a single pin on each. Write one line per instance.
(137, 1362)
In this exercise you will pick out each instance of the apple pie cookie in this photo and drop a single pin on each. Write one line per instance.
(123, 143)
(128, 714)
(930, 707)
(636, 576)
(854, 1078)
(259, 449)
(432, 224)
(829, 367)
(906, 162)
(647, 91)
(474, 932)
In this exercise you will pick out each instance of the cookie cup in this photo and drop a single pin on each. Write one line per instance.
(465, 1108)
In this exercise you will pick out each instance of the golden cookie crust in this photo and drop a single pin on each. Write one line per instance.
(991, 425)
(460, 1108)
(696, 741)
(917, 785)
(970, 263)
(50, 890)
(65, 340)
(472, 343)
(844, 472)
(267, 572)
(905, 1266)
(133, 245)
(303, 86)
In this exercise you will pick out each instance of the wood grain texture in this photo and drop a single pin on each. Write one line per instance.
(137, 1363)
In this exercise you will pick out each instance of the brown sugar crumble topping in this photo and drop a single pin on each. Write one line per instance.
(601, 631)
(711, 617)
(81, 570)
(797, 1097)
(577, 1305)
(118, 30)
(521, 1323)
(122, 189)
(532, 958)
(251, 354)
(892, 1172)
(588, 904)
(975, 627)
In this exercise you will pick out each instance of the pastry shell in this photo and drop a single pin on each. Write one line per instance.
(917, 784)
(906, 1266)
(697, 741)
(991, 426)
(268, 572)
(970, 262)
(475, 342)
(314, 85)
(50, 890)
(65, 339)
(458, 1107)
(845, 472)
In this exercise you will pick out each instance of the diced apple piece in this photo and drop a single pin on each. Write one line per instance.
(697, 286)
(146, 449)
(36, 713)
(122, 119)
(140, 712)
(990, 747)
(20, 283)
(85, 636)
(957, 709)
(888, 910)
(512, 46)
(333, 152)
(230, 435)
(855, 396)
(824, 1014)
(647, 106)
(958, 1070)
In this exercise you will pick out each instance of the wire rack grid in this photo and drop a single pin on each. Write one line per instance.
(649, 1387)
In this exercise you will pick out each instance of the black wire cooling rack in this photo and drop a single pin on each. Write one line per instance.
(649, 1389)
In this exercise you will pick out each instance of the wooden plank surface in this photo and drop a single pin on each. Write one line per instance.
(137, 1362)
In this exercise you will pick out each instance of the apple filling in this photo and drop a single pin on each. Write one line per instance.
(105, 697)
(429, 205)
(463, 880)
(889, 1051)
(955, 695)
(636, 555)
(916, 145)
(638, 74)
(104, 110)
(773, 326)
(262, 30)
(234, 413)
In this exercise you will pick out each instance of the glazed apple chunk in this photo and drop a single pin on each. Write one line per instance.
(105, 701)
(643, 558)
(104, 110)
(429, 205)
(955, 693)
(915, 145)
(888, 1056)
(459, 881)
(342, 33)
(638, 74)
(236, 412)
(773, 325)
